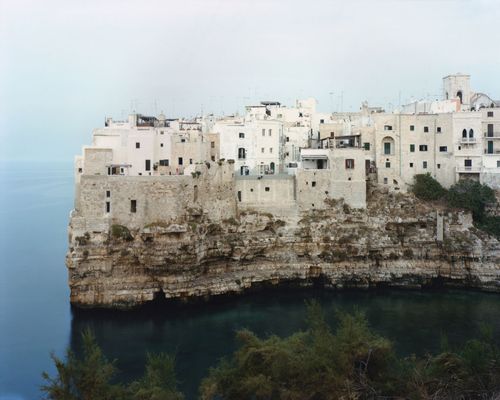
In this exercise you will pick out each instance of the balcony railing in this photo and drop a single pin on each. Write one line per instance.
(468, 169)
(492, 135)
(468, 140)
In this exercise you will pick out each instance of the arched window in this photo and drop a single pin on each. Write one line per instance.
(471, 133)
(464, 133)
(459, 95)
(241, 153)
(272, 167)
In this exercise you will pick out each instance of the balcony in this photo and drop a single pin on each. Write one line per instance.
(468, 140)
(469, 169)
(491, 135)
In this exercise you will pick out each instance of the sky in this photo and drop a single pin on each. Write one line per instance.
(67, 64)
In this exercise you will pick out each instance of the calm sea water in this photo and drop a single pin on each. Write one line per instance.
(35, 316)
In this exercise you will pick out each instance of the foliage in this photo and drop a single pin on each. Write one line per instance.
(490, 224)
(351, 363)
(425, 187)
(472, 196)
(121, 232)
(87, 378)
(91, 377)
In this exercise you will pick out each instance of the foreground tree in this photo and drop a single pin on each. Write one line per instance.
(91, 377)
(472, 196)
(86, 378)
(425, 187)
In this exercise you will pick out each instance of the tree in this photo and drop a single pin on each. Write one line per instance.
(472, 196)
(159, 381)
(86, 378)
(425, 187)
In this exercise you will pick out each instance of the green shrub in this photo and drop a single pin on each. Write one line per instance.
(425, 187)
(472, 196)
(121, 232)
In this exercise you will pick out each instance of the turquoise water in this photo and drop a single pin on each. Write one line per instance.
(35, 316)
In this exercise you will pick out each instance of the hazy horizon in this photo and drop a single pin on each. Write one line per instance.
(67, 65)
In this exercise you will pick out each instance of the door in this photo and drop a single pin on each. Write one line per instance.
(490, 146)
(490, 130)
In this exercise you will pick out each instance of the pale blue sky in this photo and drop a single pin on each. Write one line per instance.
(65, 65)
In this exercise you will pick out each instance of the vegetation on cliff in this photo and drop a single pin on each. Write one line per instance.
(467, 194)
(352, 362)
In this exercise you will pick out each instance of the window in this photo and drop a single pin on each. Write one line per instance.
(133, 206)
(321, 121)
(239, 195)
(180, 161)
(161, 144)
(388, 164)
(424, 164)
(80, 170)
(242, 135)
(148, 165)
(387, 148)
(468, 163)
(498, 163)
(490, 130)
(270, 149)
(212, 145)
(426, 129)
(464, 133)
(439, 166)
(349, 163)
(262, 150)
(313, 183)
(385, 181)
(443, 149)
(108, 193)
(164, 163)
(412, 148)
(387, 127)
(471, 133)
(270, 132)
(241, 153)
(183, 140)
(438, 129)
(212, 158)
(263, 132)
(137, 145)
(190, 161)
(267, 189)
(490, 114)
(422, 147)
(287, 139)
(411, 165)
(412, 128)
(108, 206)
(366, 146)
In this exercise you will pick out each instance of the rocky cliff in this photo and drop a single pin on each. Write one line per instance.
(396, 241)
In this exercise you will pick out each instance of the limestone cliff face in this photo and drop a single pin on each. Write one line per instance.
(393, 242)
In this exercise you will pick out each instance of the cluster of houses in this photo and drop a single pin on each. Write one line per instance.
(323, 154)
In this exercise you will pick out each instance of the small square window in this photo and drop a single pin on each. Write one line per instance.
(321, 121)
(270, 132)
(80, 170)
(263, 132)
(267, 189)
(366, 146)
(212, 145)
(439, 166)
(287, 139)
(388, 164)
(313, 183)
(424, 164)
(412, 127)
(411, 165)
(443, 149)
(385, 181)
(270, 149)
(108, 206)
(262, 150)
(349, 163)
(468, 163)
(190, 161)
(422, 147)
(387, 127)
(490, 114)
(438, 129)
(161, 144)
(180, 161)
(108, 193)
(412, 148)
(498, 163)
(242, 135)
(137, 145)
(426, 129)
